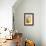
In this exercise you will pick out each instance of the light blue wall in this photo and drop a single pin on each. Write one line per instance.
(43, 22)
(29, 32)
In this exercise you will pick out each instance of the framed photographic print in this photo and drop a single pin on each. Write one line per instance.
(28, 19)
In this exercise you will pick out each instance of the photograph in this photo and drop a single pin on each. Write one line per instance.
(28, 19)
(22, 22)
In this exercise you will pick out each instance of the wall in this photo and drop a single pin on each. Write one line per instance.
(43, 22)
(6, 13)
(29, 32)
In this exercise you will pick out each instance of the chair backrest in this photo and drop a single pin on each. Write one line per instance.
(29, 43)
(18, 37)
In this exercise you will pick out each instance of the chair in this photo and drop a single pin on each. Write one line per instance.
(29, 43)
(18, 39)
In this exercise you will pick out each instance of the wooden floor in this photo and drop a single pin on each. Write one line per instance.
(9, 43)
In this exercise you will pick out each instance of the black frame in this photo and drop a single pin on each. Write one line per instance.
(32, 19)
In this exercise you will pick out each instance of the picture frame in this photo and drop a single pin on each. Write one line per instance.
(28, 19)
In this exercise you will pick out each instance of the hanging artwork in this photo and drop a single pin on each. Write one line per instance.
(28, 19)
